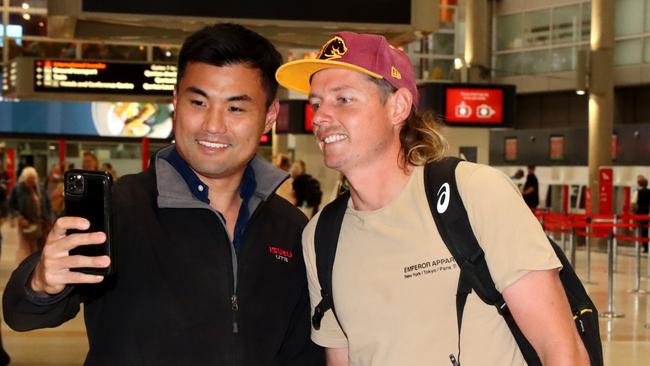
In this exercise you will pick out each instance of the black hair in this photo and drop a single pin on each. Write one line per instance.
(231, 44)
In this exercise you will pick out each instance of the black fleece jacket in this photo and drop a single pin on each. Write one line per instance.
(180, 296)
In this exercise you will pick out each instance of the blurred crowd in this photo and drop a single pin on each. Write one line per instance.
(301, 189)
(33, 203)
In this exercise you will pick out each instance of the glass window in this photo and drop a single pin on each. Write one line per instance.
(31, 24)
(508, 64)
(443, 43)
(628, 52)
(586, 20)
(164, 53)
(628, 18)
(113, 52)
(536, 62)
(424, 45)
(432, 69)
(562, 59)
(537, 27)
(566, 24)
(509, 31)
(41, 49)
(42, 4)
(460, 36)
(646, 50)
(647, 15)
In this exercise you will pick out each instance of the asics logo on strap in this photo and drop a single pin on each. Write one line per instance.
(443, 198)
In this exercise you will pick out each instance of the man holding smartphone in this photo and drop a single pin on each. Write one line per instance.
(209, 267)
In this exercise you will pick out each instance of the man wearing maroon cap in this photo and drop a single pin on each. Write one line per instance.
(394, 280)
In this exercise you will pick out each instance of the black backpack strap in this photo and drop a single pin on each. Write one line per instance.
(326, 239)
(456, 231)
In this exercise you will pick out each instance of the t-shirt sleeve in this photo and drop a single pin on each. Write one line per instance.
(330, 334)
(511, 237)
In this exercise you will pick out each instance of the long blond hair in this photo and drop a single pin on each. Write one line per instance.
(420, 137)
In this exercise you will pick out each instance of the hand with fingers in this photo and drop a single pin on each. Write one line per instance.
(53, 271)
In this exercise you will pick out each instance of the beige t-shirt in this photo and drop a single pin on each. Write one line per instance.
(394, 281)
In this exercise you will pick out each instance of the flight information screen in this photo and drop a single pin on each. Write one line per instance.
(66, 76)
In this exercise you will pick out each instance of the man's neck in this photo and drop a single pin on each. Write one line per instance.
(372, 188)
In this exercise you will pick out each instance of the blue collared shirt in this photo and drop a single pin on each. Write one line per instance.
(200, 190)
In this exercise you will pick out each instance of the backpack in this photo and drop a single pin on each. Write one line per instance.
(457, 234)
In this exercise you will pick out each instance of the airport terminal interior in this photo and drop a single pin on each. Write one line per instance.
(561, 85)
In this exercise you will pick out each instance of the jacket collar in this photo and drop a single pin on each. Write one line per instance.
(176, 184)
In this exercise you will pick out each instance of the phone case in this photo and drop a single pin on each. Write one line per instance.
(88, 195)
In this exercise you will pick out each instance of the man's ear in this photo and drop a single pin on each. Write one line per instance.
(271, 115)
(402, 104)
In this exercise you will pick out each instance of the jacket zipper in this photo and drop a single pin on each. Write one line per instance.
(235, 308)
(234, 300)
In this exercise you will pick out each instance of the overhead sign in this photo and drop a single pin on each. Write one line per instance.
(295, 117)
(470, 105)
(90, 80)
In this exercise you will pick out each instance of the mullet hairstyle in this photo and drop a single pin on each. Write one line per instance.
(231, 44)
(420, 136)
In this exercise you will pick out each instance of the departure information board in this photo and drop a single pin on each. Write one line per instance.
(103, 77)
(37, 78)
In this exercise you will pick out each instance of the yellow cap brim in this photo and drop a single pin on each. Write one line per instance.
(296, 75)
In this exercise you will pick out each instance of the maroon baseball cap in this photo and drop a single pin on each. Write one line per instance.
(369, 54)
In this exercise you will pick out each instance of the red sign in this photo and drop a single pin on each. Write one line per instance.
(556, 147)
(10, 167)
(309, 116)
(588, 201)
(606, 188)
(481, 106)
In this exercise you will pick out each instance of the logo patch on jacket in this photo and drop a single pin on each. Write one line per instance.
(281, 254)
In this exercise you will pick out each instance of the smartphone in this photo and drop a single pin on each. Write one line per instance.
(88, 195)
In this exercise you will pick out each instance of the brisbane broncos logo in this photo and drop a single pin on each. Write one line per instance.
(334, 48)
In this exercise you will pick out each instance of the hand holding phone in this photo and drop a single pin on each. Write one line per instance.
(53, 271)
(88, 195)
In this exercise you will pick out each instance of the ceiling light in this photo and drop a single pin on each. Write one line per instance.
(458, 63)
(25, 6)
(27, 16)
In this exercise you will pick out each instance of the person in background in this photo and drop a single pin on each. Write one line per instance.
(54, 190)
(32, 209)
(108, 168)
(531, 189)
(4, 214)
(4, 195)
(518, 174)
(306, 189)
(285, 190)
(209, 267)
(641, 206)
(89, 161)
